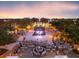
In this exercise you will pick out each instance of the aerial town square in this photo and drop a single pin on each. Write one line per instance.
(39, 29)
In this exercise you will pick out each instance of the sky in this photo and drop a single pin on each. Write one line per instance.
(38, 9)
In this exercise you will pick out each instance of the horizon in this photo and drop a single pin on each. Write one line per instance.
(41, 17)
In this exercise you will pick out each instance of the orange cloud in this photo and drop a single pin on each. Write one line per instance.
(45, 9)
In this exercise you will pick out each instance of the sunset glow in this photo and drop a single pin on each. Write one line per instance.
(38, 9)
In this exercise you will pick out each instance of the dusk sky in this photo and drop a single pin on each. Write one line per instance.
(19, 9)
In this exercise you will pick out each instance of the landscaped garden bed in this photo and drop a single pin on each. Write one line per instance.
(76, 51)
(2, 51)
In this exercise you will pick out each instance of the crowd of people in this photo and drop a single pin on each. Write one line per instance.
(59, 47)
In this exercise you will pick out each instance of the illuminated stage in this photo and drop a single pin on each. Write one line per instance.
(39, 31)
(40, 38)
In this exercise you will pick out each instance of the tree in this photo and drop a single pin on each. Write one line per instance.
(5, 38)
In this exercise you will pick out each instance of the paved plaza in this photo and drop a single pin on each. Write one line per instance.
(44, 41)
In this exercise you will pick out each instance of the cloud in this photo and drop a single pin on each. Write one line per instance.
(44, 9)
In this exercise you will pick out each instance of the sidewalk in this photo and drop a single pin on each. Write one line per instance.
(9, 46)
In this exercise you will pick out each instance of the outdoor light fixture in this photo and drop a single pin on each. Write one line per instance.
(39, 32)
